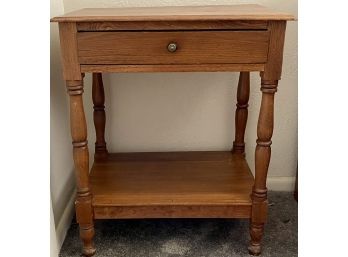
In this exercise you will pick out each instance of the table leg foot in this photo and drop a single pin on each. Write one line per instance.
(256, 232)
(87, 234)
(254, 250)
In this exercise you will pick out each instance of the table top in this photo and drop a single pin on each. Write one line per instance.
(175, 13)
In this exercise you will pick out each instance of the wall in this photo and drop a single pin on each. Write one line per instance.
(175, 111)
(61, 171)
(53, 236)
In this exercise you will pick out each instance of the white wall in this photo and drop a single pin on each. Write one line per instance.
(61, 176)
(53, 236)
(174, 111)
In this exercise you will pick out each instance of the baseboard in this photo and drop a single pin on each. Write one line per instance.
(281, 183)
(65, 220)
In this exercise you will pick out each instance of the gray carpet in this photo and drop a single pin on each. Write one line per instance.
(192, 237)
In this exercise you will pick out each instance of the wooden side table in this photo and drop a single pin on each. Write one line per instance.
(241, 38)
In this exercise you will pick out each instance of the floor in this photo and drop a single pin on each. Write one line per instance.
(192, 237)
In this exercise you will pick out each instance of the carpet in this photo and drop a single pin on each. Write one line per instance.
(192, 237)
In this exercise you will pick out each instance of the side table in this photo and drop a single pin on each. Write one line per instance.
(241, 38)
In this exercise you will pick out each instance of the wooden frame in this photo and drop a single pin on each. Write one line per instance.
(177, 184)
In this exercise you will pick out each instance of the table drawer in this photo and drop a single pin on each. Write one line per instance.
(192, 47)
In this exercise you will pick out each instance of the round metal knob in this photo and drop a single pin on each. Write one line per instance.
(172, 47)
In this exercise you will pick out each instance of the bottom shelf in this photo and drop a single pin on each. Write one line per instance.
(172, 185)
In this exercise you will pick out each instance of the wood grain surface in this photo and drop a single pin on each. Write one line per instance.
(171, 25)
(99, 117)
(171, 179)
(273, 68)
(78, 128)
(241, 116)
(194, 47)
(176, 13)
(172, 211)
(109, 68)
(68, 46)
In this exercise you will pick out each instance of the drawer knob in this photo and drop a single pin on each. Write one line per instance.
(172, 47)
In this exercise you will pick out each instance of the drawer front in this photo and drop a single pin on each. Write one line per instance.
(188, 47)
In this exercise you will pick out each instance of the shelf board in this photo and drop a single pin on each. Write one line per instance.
(171, 184)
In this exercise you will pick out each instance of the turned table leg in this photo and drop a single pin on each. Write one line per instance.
(83, 203)
(99, 118)
(262, 158)
(241, 116)
(269, 83)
